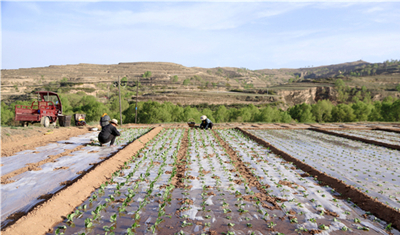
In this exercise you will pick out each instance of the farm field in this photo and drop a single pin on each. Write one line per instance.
(31, 176)
(191, 181)
(230, 185)
(372, 169)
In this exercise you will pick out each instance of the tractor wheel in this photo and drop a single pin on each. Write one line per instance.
(46, 122)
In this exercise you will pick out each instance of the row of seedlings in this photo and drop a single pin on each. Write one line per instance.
(118, 205)
(372, 169)
(309, 207)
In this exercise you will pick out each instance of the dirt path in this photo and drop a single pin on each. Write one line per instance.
(364, 201)
(17, 139)
(41, 219)
(177, 180)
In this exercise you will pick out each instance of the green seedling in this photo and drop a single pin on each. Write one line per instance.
(271, 225)
(113, 218)
(88, 222)
(323, 227)
(184, 224)
(249, 225)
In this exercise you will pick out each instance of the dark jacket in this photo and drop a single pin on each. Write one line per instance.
(206, 124)
(107, 131)
(104, 121)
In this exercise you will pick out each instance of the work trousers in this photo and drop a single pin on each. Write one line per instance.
(110, 138)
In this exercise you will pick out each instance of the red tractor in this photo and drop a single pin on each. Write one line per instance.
(46, 110)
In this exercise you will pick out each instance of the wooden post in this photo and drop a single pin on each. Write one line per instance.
(120, 106)
(137, 92)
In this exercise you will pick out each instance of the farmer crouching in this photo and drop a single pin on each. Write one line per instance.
(205, 123)
(109, 133)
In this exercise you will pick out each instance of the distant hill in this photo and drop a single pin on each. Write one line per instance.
(171, 78)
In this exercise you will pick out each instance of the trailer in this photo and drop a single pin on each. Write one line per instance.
(45, 110)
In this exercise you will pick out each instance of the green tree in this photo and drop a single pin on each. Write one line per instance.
(343, 113)
(302, 113)
(322, 110)
(7, 115)
(147, 74)
(221, 114)
(339, 83)
(269, 114)
(91, 107)
(186, 82)
(362, 110)
(285, 117)
(174, 78)
(375, 114)
(398, 87)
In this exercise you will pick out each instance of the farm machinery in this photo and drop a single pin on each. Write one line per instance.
(45, 110)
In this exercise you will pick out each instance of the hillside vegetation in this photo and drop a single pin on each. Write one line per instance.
(357, 91)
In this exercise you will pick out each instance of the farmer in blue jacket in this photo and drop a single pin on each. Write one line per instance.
(205, 123)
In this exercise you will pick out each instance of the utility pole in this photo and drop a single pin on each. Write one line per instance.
(137, 92)
(120, 106)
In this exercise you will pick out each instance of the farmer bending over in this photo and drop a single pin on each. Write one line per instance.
(109, 133)
(205, 123)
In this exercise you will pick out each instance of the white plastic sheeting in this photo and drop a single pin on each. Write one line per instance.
(373, 169)
(22, 194)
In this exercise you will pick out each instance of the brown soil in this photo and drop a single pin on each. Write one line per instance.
(364, 201)
(43, 217)
(250, 178)
(36, 166)
(177, 180)
(61, 168)
(392, 146)
(388, 130)
(314, 231)
(23, 138)
(185, 201)
(328, 212)
(290, 184)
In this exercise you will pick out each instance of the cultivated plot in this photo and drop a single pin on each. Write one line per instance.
(204, 182)
(372, 169)
(33, 176)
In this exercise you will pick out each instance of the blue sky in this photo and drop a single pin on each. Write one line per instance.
(254, 35)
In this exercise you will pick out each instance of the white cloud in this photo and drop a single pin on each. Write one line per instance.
(201, 16)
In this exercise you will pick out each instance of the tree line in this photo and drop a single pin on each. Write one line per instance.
(323, 111)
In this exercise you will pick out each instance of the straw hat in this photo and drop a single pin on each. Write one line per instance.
(115, 121)
(204, 117)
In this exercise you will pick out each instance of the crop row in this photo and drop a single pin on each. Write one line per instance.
(29, 187)
(305, 203)
(119, 203)
(381, 136)
(372, 169)
(231, 185)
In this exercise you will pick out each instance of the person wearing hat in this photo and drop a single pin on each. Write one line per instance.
(104, 120)
(109, 133)
(205, 123)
